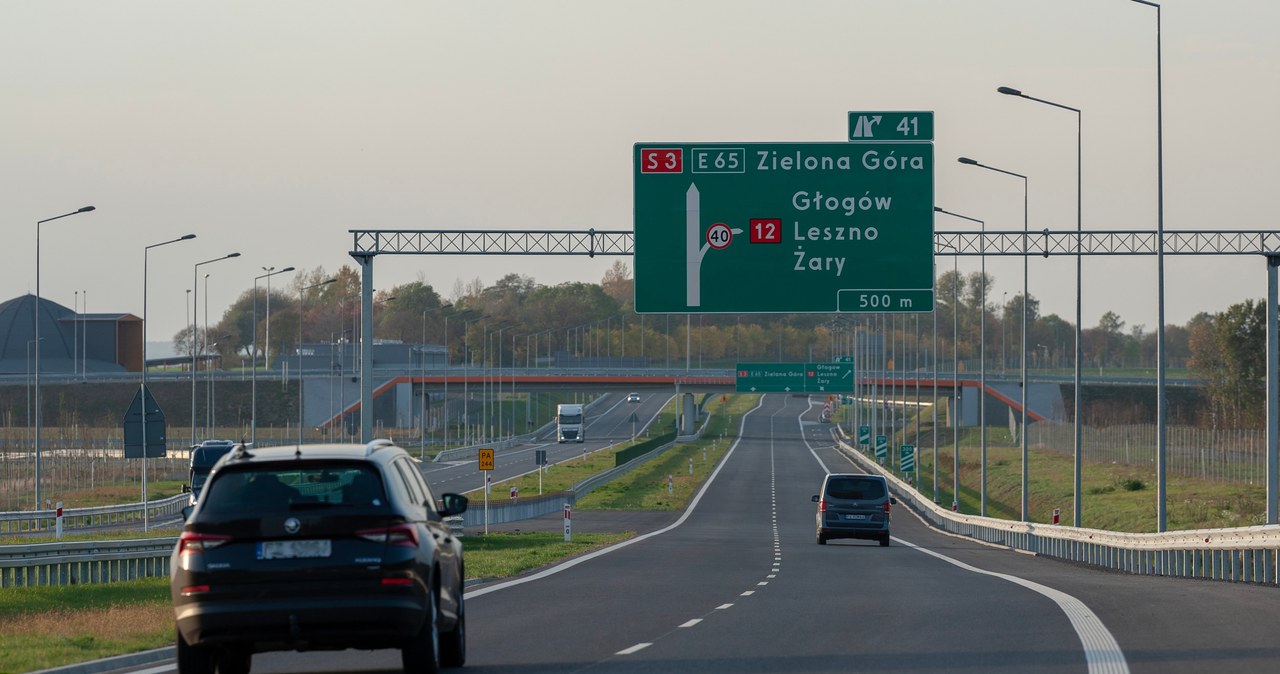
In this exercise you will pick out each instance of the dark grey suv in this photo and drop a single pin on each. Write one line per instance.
(853, 505)
(321, 547)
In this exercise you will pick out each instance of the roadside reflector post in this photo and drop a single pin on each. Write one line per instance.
(568, 519)
(1057, 512)
(58, 522)
(691, 465)
(671, 484)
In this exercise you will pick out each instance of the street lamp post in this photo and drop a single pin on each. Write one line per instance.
(301, 306)
(253, 396)
(84, 209)
(1162, 435)
(982, 369)
(146, 520)
(423, 413)
(1025, 302)
(466, 378)
(1079, 350)
(195, 311)
(1004, 333)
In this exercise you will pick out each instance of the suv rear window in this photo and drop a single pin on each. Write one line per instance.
(855, 488)
(269, 488)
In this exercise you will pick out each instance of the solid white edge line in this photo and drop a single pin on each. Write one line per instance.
(156, 670)
(604, 551)
(1102, 653)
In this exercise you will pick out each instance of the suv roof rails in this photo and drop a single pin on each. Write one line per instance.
(376, 444)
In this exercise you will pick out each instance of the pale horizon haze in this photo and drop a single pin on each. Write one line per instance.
(271, 129)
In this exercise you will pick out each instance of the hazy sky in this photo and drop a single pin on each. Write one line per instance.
(273, 128)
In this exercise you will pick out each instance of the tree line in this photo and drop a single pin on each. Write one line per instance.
(597, 320)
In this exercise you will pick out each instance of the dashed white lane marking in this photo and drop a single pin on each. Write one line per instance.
(691, 623)
(723, 607)
(748, 593)
(634, 649)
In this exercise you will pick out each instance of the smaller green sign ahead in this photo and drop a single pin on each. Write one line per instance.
(794, 377)
(864, 435)
(897, 126)
(882, 448)
(907, 458)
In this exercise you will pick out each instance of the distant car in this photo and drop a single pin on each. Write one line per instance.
(633, 397)
(854, 506)
(322, 547)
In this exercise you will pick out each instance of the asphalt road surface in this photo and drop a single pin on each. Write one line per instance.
(737, 584)
(608, 422)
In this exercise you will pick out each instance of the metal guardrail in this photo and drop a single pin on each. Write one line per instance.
(84, 562)
(1243, 554)
(25, 522)
(524, 509)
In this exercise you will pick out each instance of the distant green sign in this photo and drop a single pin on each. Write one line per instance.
(882, 448)
(864, 435)
(907, 458)
(794, 377)
(897, 126)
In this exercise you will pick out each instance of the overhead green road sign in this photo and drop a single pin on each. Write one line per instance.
(771, 378)
(783, 227)
(880, 126)
(794, 377)
(828, 377)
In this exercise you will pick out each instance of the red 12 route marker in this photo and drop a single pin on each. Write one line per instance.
(719, 236)
(766, 230)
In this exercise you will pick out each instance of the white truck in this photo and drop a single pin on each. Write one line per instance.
(570, 423)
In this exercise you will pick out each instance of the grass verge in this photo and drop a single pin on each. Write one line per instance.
(1114, 496)
(43, 627)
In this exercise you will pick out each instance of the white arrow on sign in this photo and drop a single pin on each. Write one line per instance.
(695, 246)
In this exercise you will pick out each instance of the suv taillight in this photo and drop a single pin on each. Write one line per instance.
(822, 506)
(886, 507)
(405, 535)
(191, 542)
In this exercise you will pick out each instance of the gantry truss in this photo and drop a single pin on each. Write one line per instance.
(1045, 243)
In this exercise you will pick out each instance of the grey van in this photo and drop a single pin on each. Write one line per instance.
(853, 505)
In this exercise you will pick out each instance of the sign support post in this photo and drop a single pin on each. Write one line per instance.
(486, 466)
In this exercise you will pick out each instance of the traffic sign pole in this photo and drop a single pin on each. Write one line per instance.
(485, 461)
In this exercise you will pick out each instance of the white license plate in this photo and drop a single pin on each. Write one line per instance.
(313, 549)
(855, 517)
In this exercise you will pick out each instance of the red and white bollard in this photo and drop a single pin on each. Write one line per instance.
(515, 492)
(955, 506)
(58, 522)
(1057, 513)
(568, 519)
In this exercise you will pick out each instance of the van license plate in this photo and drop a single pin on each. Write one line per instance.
(855, 517)
(313, 549)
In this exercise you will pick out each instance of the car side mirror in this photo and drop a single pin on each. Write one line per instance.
(186, 512)
(186, 489)
(815, 498)
(453, 504)
(893, 500)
